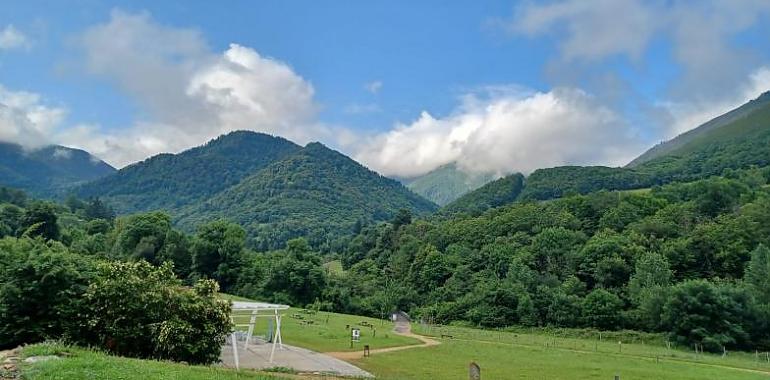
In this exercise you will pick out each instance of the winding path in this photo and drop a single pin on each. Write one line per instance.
(403, 328)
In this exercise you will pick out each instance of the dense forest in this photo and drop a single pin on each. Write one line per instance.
(687, 259)
(275, 189)
(676, 245)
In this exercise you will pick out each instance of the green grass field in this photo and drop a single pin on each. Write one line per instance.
(501, 355)
(326, 332)
(84, 364)
(506, 355)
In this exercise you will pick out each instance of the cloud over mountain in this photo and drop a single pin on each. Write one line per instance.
(505, 131)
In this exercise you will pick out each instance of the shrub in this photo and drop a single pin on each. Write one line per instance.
(40, 288)
(138, 310)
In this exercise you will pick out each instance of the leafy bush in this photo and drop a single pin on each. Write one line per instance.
(135, 309)
(40, 288)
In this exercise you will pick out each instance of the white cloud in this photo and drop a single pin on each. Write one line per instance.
(595, 28)
(373, 87)
(25, 120)
(684, 116)
(12, 38)
(62, 153)
(506, 132)
(188, 94)
(701, 35)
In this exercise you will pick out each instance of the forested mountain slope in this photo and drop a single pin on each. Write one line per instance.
(48, 171)
(316, 192)
(496, 193)
(446, 183)
(172, 181)
(739, 139)
(704, 133)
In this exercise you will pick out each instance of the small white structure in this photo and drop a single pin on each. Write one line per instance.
(254, 310)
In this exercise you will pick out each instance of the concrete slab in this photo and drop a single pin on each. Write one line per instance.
(299, 359)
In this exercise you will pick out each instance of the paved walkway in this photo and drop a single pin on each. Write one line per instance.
(299, 359)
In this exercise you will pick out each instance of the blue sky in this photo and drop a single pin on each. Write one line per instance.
(401, 86)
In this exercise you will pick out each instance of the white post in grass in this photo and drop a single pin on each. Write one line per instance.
(235, 345)
(277, 338)
(251, 329)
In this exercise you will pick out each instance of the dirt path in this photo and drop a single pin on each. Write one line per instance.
(403, 328)
(8, 364)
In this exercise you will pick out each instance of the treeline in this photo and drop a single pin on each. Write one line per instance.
(687, 259)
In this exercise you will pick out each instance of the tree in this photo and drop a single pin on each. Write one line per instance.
(699, 311)
(41, 289)
(295, 275)
(402, 218)
(652, 271)
(758, 273)
(602, 310)
(40, 219)
(217, 251)
(141, 236)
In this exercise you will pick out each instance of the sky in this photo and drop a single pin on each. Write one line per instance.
(401, 86)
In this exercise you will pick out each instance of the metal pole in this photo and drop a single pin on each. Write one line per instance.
(251, 329)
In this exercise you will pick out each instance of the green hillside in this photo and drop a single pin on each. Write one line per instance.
(172, 181)
(48, 171)
(739, 139)
(496, 193)
(702, 134)
(740, 143)
(446, 183)
(317, 193)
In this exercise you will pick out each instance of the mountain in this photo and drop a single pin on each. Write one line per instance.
(446, 183)
(736, 140)
(47, 172)
(556, 182)
(316, 192)
(173, 181)
(706, 132)
(494, 194)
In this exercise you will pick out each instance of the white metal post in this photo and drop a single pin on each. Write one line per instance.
(235, 346)
(251, 329)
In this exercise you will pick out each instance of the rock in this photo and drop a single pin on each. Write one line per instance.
(37, 359)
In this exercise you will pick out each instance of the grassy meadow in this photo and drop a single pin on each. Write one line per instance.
(83, 364)
(508, 355)
(326, 332)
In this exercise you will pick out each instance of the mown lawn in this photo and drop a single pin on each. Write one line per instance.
(79, 363)
(504, 355)
(328, 332)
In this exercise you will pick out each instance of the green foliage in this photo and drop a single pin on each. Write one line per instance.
(141, 236)
(40, 288)
(172, 181)
(758, 273)
(217, 252)
(493, 194)
(602, 309)
(135, 309)
(40, 219)
(293, 275)
(711, 315)
(570, 180)
(315, 193)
